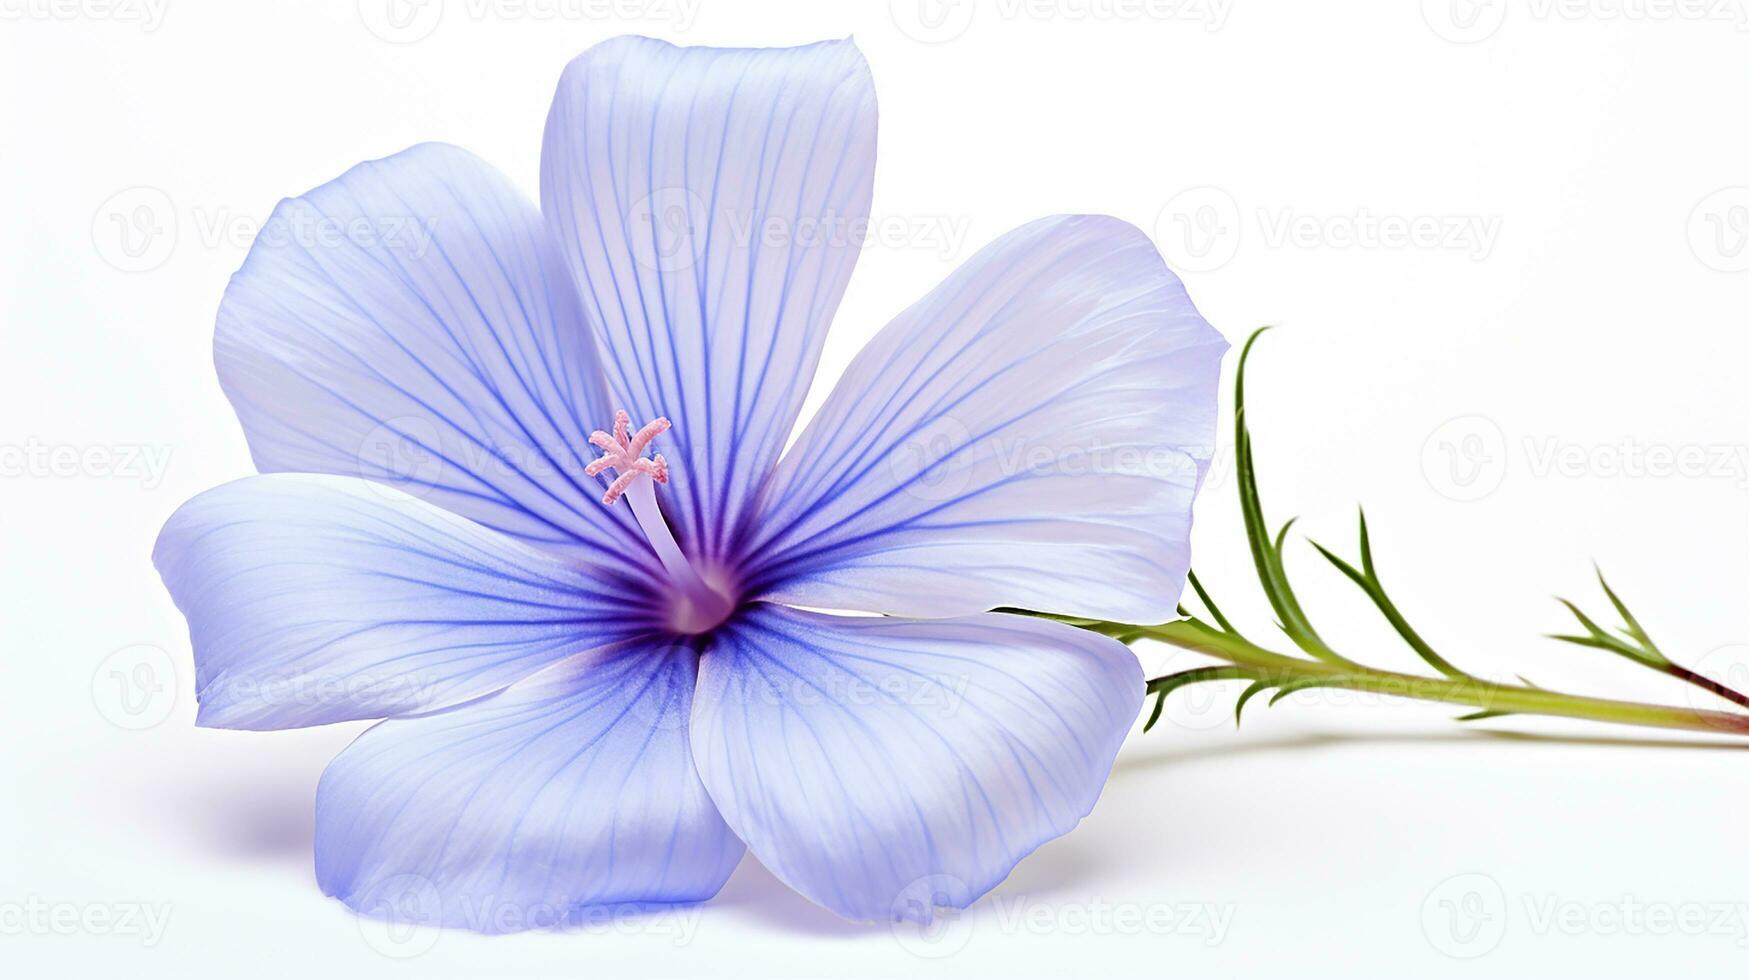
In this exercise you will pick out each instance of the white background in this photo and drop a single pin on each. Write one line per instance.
(1577, 306)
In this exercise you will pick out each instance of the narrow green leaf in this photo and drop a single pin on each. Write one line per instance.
(1584, 620)
(1162, 686)
(1266, 553)
(1208, 603)
(1634, 629)
(1154, 716)
(1605, 641)
(1257, 687)
(1281, 535)
(1306, 683)
(1366, 549)
(1584, 641)
(1369, 583)
(1215, 672)
(1354, 574)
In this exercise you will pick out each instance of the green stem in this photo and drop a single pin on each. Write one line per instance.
(1687, 676)
(1468, 691)
(1243, 660)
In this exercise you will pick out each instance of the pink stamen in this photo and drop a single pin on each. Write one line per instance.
(625, 453)
(696, 606)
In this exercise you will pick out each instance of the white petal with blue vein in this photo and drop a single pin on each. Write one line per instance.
(313, 599)
(712, 203)
(572, 790)
(882, 766)
(1032, 433)
(410, 322)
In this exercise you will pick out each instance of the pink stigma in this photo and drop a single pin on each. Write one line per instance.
(625, 453)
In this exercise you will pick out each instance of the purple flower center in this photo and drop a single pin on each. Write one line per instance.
(699, 599)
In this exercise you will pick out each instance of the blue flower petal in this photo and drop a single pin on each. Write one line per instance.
(411, 323)
(572, 789)
(712, 203)
(1030, 434)
(882, 767)
(312, 599)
